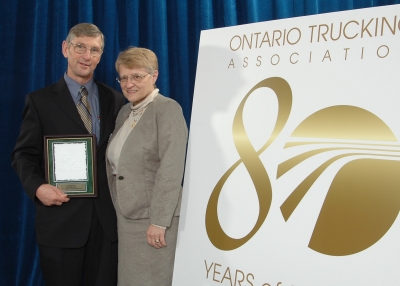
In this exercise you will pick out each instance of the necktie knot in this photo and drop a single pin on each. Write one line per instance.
(83, 91)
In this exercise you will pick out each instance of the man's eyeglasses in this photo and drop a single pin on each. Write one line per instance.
(81, 49)
(136, 78)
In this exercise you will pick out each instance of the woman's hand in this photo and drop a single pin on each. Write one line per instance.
(156, 236)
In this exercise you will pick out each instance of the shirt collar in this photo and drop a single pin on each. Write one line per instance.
(74, 86)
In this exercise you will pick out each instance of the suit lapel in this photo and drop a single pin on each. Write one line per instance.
(106, 113)
(64, 99)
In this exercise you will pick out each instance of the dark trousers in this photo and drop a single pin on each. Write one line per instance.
(94, 264)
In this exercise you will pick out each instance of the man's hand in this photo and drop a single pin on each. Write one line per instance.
(51, 196)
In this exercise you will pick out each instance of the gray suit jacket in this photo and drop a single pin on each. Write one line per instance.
(150, 168)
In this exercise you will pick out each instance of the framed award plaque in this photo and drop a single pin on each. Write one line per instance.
(70, 162)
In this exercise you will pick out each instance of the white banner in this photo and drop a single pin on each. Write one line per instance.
(293, 165)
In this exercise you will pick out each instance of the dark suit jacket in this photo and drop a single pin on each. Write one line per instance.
(51, 111)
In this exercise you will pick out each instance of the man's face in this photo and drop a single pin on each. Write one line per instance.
(81, 66)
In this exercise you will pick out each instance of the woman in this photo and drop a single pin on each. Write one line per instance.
(145, 162)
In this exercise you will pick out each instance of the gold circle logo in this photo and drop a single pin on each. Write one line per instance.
(363, 199)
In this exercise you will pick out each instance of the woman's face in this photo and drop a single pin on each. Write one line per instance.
(136, 83)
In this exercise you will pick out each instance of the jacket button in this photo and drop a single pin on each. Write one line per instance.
(120, 177)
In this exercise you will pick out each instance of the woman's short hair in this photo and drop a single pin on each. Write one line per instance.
(134, 57)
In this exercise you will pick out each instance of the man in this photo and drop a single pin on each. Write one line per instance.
(77, 237)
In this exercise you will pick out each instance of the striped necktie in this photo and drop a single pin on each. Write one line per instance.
(84, 110)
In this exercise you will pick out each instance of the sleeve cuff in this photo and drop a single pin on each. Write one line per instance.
(163, 227)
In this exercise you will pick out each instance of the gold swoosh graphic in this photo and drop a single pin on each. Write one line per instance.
(363, 199)
(294, 144)
(294, 161)
(290, 204)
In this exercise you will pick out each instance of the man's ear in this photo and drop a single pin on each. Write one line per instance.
(64, 49)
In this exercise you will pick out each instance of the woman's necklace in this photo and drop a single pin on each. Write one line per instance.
(137, 117)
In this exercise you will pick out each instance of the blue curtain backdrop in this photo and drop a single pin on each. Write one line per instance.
(31, 33)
